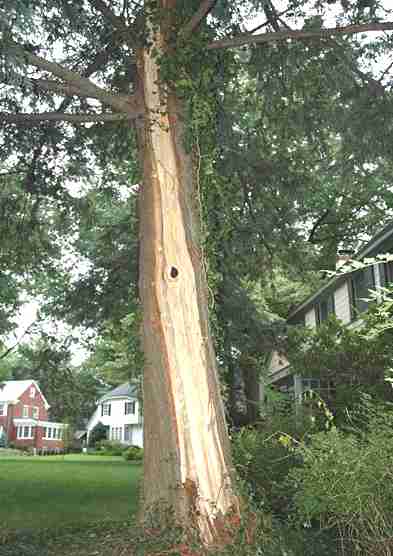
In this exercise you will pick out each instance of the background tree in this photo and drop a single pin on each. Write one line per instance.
(71, 392)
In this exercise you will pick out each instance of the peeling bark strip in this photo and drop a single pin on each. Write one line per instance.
(187, 456)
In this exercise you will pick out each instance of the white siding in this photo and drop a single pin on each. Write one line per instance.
(137, 436)
(310, 319)
(342, 303)
(118, 419)
(277, 362)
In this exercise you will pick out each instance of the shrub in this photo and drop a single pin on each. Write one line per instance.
(109, 448)
(263, 461)
(264, 454)
(133, 453)
(346, 484)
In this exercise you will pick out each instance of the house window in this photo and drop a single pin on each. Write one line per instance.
(324, 309)
(129, 408)
(2, 409)
(25, 431)
(116, 433)
(310, 384)
(35, 412)
(32, 392)
(323, 387)
(25, 412)
(128, 433)
(361, 282)
(51, 433)
(106, 409)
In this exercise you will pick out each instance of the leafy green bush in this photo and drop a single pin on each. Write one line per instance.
(265, 454)
(346, 484)
(133, 453)
(263, 460)
(109, 448)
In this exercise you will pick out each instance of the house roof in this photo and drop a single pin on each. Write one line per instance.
(367, 250)
(125, 390)
(11, 390)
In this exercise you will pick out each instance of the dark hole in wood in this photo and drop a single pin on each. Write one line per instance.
(174, 272)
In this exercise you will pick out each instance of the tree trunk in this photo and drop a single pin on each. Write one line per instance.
(251, 387)
(187, 469)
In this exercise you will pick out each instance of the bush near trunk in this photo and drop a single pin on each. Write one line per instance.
(133, 453)
(345, 484)
(263, 455)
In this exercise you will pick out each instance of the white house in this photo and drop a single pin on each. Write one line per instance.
(120, 411)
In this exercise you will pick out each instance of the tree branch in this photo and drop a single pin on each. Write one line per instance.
(247, 38)
(27, 330)
(123, 103)
(63, 89)
(267, 21)
(203, 10)
(118, 22)
(317, 223)
(26, 118)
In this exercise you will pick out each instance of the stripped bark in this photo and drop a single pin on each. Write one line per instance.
(187, 457)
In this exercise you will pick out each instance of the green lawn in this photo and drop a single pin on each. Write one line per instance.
(54, 492)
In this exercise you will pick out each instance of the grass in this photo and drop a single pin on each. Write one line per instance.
(49, 495)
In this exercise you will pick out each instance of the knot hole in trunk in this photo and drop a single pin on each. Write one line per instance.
(173, 273)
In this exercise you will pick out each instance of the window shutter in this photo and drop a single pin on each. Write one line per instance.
(369, 278)
(109, 409)
(331, 307)
(102, 409)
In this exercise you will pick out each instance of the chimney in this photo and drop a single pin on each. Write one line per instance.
(343, 257)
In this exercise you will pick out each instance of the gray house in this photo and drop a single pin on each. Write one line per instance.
(344, 295)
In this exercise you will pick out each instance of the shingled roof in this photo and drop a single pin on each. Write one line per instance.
(10, 390)
(125, 390)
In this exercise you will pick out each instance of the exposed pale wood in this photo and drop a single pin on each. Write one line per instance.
(247, 38)
(187, 457)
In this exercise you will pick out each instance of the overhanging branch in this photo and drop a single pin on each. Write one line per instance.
(205, 7)
(34, 118)
(62, 89)
(246, 38)
(122, 103)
